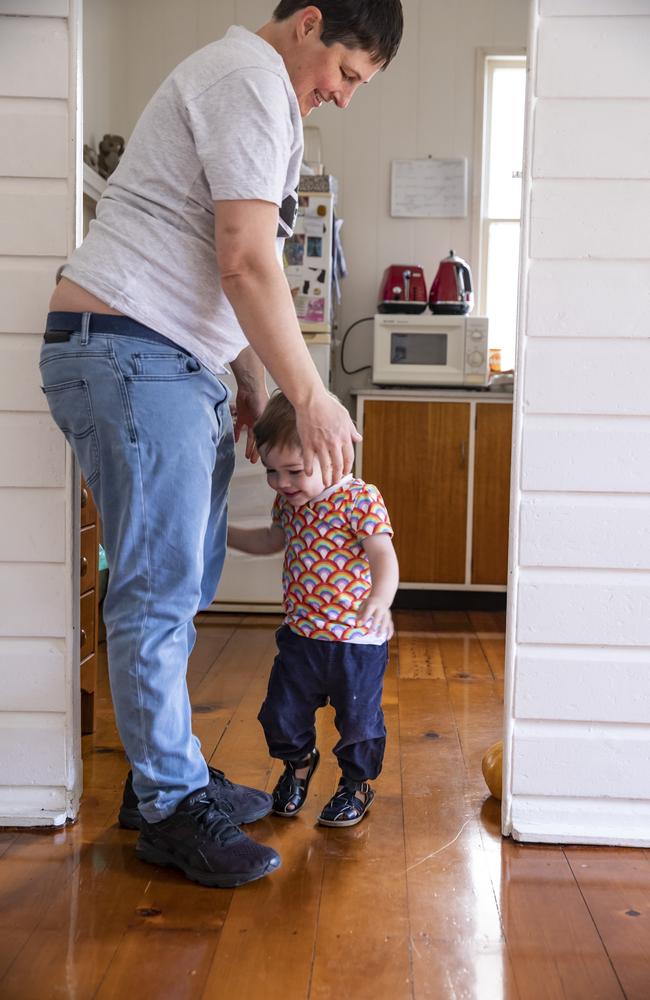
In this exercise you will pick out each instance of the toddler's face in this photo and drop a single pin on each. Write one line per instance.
(286, 475)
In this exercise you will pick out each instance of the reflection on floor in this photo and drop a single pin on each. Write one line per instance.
(421, 900)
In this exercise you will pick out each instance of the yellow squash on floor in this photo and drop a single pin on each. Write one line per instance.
(492, 767)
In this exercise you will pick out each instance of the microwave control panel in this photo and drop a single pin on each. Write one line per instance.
(476, 350)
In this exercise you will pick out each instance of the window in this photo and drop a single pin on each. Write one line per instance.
(504, 88)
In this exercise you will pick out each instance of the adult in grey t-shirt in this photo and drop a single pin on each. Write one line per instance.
(224, 126)
(179, 276)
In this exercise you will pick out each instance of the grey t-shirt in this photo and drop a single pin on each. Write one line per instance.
(225, 125)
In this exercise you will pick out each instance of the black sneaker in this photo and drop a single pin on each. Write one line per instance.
(241, 803)
(200, 840)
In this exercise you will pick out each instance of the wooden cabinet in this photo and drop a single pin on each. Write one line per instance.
(442, 464)
(491, 491)
(405, 447)
(88, 607)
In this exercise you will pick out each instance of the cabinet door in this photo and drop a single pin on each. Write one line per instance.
(491, 493)
(416, 455)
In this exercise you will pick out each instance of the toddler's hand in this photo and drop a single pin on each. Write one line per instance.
(375, 615)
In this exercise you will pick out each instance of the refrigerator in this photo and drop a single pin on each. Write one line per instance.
(254, 583)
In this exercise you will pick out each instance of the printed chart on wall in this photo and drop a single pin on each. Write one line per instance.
(428, 188)
(308, 259)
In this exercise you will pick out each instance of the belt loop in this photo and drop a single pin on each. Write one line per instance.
(85, 328)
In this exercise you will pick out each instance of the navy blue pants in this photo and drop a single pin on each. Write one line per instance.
(305, 675)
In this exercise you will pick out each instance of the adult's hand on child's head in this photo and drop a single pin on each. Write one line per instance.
(326, 432)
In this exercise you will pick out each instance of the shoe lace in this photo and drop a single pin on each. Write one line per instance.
(217, 789)
(212, 817)
(219, 778)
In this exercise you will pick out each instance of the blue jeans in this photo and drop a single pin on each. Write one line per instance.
(152, 432)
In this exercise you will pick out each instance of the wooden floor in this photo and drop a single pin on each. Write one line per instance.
(422, 900)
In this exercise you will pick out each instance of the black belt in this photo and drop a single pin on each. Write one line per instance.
(61, 325)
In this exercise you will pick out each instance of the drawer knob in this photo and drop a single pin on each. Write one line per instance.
(82, 637)
(84, 566)
(84, 496)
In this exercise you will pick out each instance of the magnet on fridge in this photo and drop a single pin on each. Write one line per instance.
(314, 246)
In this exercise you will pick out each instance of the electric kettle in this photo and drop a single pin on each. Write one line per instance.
(402, 290)
(451, 291)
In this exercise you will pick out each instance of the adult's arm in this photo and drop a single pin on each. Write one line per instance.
(253, 281)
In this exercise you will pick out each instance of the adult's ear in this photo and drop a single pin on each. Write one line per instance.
(308, 20)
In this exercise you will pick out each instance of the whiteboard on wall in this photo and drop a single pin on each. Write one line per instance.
(428, 188)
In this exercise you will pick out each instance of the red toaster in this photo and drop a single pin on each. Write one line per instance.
(403, 289)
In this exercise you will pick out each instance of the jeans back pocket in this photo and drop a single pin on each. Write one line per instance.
(71, 408)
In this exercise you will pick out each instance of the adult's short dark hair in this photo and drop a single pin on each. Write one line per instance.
(373, 25)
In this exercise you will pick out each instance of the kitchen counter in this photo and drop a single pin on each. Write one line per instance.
(430, 393)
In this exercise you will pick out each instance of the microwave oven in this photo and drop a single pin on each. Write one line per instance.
(430, 350)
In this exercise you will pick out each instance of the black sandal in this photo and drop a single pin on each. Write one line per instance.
(344, 808)
(292, 791)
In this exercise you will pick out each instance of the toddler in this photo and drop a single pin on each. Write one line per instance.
(339, 580)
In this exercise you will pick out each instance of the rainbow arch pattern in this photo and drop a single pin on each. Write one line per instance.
(326, 574)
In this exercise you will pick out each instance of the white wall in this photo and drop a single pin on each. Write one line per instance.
(103, 31)
(423, 104)
(578, 698)
(39, 753)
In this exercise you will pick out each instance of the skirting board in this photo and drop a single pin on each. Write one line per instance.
(405, 600)
(449, 600)
(36, 806)
(43, 819)
(607, 822)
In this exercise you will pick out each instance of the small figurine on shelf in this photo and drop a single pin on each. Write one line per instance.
(110, 150)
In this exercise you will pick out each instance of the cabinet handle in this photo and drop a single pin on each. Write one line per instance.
(84, 496)
(82, 638)
(462, 454)
(84, 566)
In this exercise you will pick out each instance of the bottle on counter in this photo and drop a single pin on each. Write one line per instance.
(495, 359)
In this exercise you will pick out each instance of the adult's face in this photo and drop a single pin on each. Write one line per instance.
(323, 73)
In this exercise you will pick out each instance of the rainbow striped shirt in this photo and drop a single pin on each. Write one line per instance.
(326, 573)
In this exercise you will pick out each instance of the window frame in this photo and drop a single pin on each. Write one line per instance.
(501, 56)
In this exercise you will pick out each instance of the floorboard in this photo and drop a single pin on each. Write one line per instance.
(364, 875)
(553, 941)
(615, 885)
